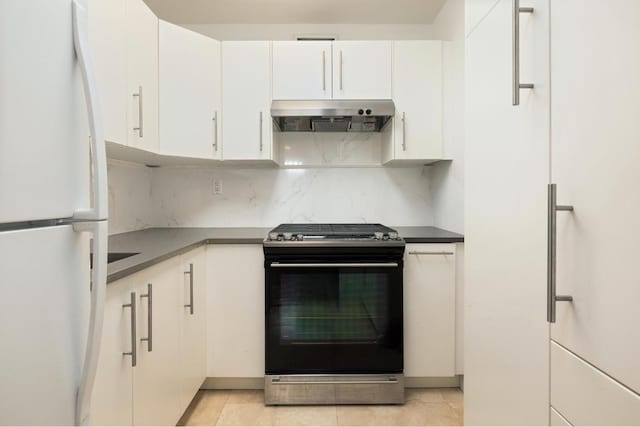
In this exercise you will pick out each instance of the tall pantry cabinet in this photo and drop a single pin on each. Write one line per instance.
(576, 128)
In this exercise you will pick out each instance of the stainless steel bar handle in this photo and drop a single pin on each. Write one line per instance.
(340, 70)
(324, 70)
(140, 127)
(261, 131)
(149, 297)
(215, 131)
(190, 273)
(404, 132)
(134, 343)
(430, 253)
(552, 209)
(276, 381)
(517, 10)
(334, 265)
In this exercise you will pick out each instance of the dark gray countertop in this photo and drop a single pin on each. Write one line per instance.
(155, 245)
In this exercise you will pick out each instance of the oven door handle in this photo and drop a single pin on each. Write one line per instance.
(334, 265)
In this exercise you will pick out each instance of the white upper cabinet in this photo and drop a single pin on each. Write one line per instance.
(142, 76)
(108, 40)
(246, 96)
(301, 70)
(362, 69)
(417, 94)
(190, 103)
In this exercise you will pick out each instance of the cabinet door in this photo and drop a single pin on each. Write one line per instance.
(156, 377)
(506, 171)
(111, 401)
(595, 152)
(301, 70)
(193, 337)
(246, 96)
(362, 70)
(189, 93)
(235, 327)
(417, 94)
(429, 310)
(142, 76)
(108, 38)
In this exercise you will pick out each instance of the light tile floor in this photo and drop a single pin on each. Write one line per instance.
(424, 407)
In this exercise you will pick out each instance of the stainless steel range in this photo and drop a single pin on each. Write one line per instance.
(333, 325)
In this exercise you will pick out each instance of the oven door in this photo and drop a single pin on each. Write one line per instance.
(333, 317)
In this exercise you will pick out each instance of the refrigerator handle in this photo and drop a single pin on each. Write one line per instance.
(92, 219)
(96, 317)
(100, 208)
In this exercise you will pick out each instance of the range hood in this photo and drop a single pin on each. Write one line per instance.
(332, 115)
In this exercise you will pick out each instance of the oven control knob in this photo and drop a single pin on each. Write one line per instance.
(378, 235)
(288, 236)
(300, 237)
(393, 235)
(273, 236)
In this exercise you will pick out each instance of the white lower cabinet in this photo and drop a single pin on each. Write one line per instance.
(169, 344)
(430, 310)
(193, 342)
(236, 311)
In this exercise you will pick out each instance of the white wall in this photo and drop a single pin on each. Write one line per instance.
(266, 197)
(448, 177)
(130, 197)
(290, 31)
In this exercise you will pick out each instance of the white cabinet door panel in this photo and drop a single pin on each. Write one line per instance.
(587, 397)
(301, 70)
(111, 402)
(193, 337)
(429, 310)
(235, 344)
(142, 71)
(595, 154)
(189, 93)
(506, 171)
(246, 97)
(417, 94)
(108, 38)
(362, 69)
(156, 378)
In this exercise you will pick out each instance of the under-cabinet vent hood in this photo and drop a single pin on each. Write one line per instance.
(332, 115)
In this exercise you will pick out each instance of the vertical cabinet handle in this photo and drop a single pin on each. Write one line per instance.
(517, 10)
(324, 70)
(134, 350)
(215, 131)
(261, 131)
(140, 127)
(190, 273)
(404, 132)
(552, 209)
(340, 70)
(149, 297)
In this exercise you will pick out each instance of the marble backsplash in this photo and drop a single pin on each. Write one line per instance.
(184, 197)
(130, 197)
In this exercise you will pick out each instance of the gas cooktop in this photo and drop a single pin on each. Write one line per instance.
(295, 233)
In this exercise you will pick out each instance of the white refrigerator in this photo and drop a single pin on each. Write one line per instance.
(53, 213)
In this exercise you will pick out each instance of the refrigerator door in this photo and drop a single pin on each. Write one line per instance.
(44, 137)
(44, 317)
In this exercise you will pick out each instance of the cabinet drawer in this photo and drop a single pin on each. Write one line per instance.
(586, 396)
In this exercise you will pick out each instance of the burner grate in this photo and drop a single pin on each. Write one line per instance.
(333, 230)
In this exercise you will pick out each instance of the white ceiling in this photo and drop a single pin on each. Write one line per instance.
(297, 11)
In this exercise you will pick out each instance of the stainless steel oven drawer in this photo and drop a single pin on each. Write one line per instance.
(333, 389)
